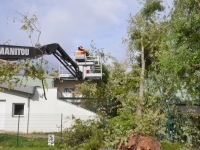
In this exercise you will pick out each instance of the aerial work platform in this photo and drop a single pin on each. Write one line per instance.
(90, 66)
(82, 67)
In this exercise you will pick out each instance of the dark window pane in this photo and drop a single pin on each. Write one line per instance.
(19, 109)
(68, 90)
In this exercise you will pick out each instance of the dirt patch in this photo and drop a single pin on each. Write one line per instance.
(140, 142)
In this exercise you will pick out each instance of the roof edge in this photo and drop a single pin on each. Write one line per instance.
(25, 89)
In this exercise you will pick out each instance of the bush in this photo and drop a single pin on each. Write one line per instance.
(170, 146)
(84, 134)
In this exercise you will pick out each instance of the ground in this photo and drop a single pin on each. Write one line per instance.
(33, 141)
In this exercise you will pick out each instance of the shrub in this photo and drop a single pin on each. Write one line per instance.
(170, 146)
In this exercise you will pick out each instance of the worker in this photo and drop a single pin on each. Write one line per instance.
(80, 48)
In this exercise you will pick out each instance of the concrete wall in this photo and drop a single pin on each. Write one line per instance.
(40, 115)
(10, 98)
(2, 113)
(66, 84)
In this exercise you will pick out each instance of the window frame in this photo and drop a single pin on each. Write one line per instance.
(69, 90)
(13, 109)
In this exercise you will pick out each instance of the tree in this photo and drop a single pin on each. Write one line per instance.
(96, 92)
(164, 59)
(143, 39)
(35, 69)
(181, 55)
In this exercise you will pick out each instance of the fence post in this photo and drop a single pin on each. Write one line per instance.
(168, 125)
(103, 122)
(18, 130)
(61, 126)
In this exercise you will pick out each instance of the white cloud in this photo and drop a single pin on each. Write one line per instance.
(72, 23)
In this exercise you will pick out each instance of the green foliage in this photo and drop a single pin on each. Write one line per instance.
(29, 24)
(33, 68)
(100, 52)
(9, 141)
(99, 92)
(86, 134)
(170, 146)
(8, 70)
(180, 56)
(152, 6)
(172, 67)
(185, 128)
(151, 31)
(172, 61)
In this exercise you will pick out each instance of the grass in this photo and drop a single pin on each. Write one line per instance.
(9, 142)
(33, 148)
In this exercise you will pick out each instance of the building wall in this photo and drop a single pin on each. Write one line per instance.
(40, 115)
(10, 98)
(2, 113)
(66, 84)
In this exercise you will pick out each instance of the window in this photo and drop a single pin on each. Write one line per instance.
(68, 90)
(18, 109)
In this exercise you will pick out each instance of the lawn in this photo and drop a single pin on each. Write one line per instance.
(9, 142)
(33, 148)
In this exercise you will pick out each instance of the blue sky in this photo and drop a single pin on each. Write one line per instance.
(71, 23)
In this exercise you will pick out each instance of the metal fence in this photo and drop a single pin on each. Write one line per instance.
(57, 122)
(37, 123)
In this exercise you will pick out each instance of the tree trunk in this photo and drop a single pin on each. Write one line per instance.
(141, 92)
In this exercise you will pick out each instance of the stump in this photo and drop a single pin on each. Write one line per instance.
(140, 142)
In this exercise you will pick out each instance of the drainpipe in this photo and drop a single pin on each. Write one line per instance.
(28, 112)
(53, 82)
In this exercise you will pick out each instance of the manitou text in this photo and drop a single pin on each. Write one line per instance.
(13, 51)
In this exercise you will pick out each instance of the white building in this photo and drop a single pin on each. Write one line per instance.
(28, 107)
(36, 113)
